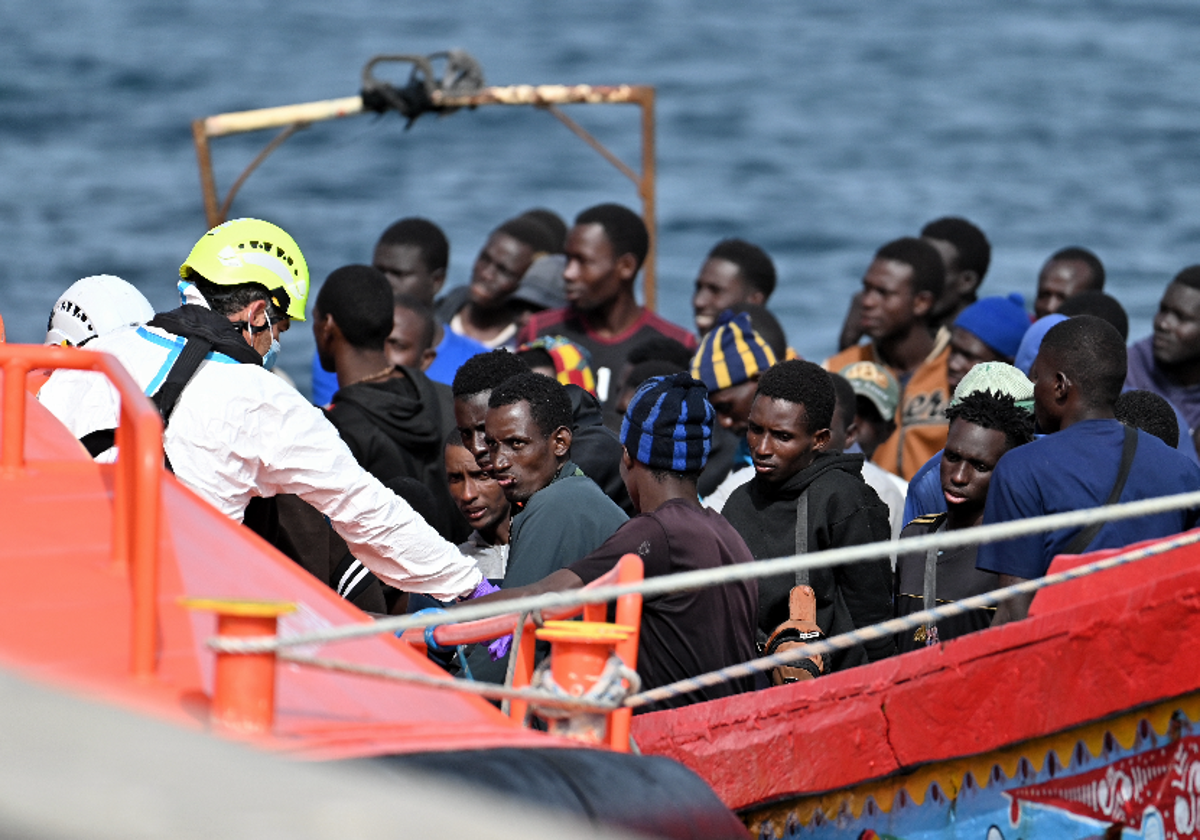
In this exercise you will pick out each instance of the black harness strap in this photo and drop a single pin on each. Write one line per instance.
(180, 374)
(185, 367)
(802, 534)
(1128, 449)
(99, 441)
(792, 634)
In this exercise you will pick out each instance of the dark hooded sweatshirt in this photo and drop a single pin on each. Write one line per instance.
(395, 428)
(596, 449)
(842, 511)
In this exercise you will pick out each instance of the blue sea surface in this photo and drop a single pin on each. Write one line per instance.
(819, 130)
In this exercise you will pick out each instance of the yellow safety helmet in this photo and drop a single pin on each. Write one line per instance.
(252, 251)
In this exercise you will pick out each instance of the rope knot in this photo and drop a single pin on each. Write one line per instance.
(616, 682)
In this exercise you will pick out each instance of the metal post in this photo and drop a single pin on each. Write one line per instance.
(646, 188)
(541, 96)
(579, 654)
(122, 516)
(243, 701)
(208, 183)
(630, 569)
(144, 510)
(136, 491)
(15, 371)
(523, 672)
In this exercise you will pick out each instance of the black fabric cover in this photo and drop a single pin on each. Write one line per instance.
(302, 533)
(650, 795)
(596, 448)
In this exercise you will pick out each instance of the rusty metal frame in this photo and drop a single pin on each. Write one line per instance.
(292, 118)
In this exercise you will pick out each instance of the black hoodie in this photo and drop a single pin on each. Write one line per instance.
(395, 428)
(596, 449)
(842, 511)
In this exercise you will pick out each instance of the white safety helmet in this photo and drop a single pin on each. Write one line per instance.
(94, 306)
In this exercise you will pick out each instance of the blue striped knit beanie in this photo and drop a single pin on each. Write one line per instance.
(732, 353)
(668, 425)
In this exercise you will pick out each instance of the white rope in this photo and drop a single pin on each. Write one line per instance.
(608, 700)
(607, 693)
(725, 574)
(898, 625)
(511, 671)
(481, 689)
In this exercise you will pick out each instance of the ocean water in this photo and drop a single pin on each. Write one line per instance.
(819, 130)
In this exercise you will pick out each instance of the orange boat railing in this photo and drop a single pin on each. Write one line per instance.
(243, 696)
(136, 491)
(136, 516)
(628, 613)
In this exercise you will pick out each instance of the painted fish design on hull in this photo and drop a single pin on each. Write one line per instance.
(1156, 793)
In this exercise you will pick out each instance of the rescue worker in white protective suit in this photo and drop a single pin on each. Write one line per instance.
(88, 309)
(235, 431)
(95, 306)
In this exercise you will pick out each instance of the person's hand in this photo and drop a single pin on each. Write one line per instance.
(498, 649)
(484, 588)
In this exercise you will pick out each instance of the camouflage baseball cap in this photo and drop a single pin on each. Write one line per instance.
(875, 383)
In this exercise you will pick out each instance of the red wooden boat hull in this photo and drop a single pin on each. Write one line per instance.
(1096, 658)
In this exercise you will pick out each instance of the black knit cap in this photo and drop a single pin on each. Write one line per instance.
(669, 422)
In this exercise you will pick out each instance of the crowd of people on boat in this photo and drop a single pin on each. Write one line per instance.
(522, 433)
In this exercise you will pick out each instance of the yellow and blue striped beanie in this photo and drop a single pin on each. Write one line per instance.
(732, 353)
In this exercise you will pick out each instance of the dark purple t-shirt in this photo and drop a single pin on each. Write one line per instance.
(684, 634)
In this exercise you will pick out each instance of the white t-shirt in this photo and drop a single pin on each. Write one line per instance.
(492, 560)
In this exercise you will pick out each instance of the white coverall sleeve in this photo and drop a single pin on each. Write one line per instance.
(239, 432)
(84, 402)
(391, 539)
(266, 439)
(297, 450)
